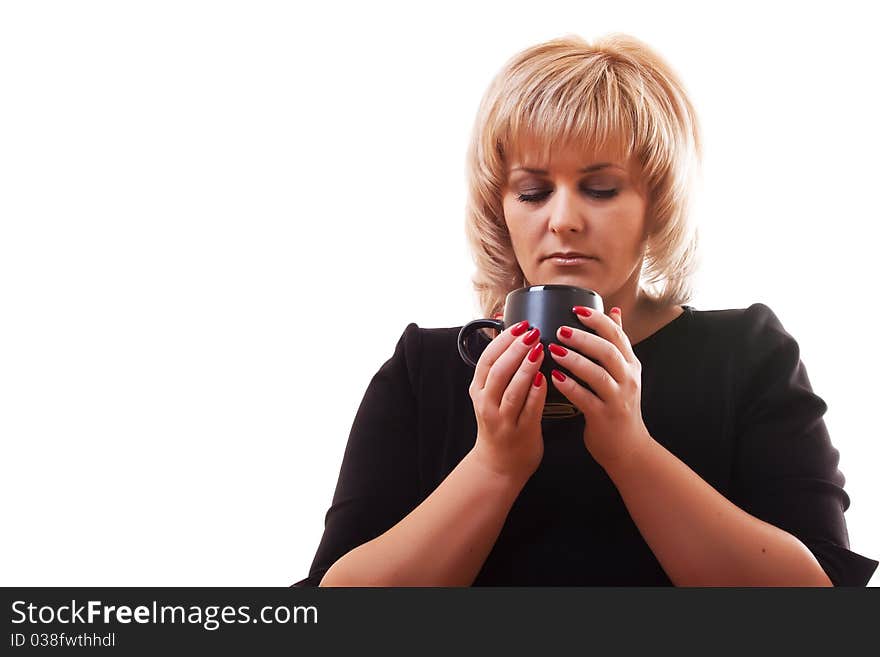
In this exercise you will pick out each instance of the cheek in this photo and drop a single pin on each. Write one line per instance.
(630, 220)
(508, 213)
(517, 222)
(511, 209)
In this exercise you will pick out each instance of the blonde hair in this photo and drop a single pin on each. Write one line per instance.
(565, 91)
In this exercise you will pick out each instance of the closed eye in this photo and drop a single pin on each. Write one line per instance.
(540, 196)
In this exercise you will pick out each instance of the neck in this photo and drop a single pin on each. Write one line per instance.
(634, 309)
(637, 309)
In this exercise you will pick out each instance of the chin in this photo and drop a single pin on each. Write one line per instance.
(587, 282)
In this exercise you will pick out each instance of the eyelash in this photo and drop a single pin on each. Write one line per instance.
(537, 198)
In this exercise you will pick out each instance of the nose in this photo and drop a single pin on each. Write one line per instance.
(564, 211)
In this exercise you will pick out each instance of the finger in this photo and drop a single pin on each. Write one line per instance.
(606, 327)
(595, 348)
(533, 409)
(615, 314)
(517, 390)
(593, 374)
(506, 365)
(494, 350)
(587, 402)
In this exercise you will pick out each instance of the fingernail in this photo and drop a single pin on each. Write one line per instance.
(559, 376)
(615, 310)
(565, 332)
(581, 310)
(535, 353)
(556, 350)
(519, 329)
(539, 379)
(531, 336)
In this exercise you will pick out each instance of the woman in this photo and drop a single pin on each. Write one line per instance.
(704, 460)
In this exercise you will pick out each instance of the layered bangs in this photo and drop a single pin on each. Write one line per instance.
(571, 112)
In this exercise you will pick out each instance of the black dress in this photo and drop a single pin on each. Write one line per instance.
(723, 390)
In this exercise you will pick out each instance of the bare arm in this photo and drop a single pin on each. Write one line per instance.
(444, 541)
(701, 538)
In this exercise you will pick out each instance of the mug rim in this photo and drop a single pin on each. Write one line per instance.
(553, 286)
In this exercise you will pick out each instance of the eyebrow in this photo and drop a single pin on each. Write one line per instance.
(594, 167)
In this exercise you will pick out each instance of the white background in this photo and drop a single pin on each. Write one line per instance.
(218, 218)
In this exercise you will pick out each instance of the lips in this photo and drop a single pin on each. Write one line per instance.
(569, 254)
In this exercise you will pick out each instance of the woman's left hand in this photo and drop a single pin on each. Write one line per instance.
(613, 426)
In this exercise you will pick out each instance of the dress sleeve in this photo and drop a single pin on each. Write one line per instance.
(785, 466)
(378, 481)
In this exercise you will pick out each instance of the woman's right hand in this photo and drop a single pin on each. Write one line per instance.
(507, 403)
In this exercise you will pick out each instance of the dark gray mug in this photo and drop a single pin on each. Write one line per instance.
(545, 307)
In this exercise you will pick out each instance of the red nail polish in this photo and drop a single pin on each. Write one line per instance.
(559, 376)
(535, 353)
(531, 336)
(582, 310)
(615, 310)
(539, 379)
(519, 329)
(565, 332)
(556, 350)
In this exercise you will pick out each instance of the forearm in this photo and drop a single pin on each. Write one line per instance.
(701, 538)
(443, 542)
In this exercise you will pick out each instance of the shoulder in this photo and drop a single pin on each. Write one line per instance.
(765, 357)
(756, 323)
(756, 313)
(431, 348)
(747, 343)
(429, 359)
(418, 340)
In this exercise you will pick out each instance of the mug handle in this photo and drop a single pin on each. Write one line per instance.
(469, 328)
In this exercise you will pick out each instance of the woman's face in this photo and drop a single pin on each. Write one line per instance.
(571, 203)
